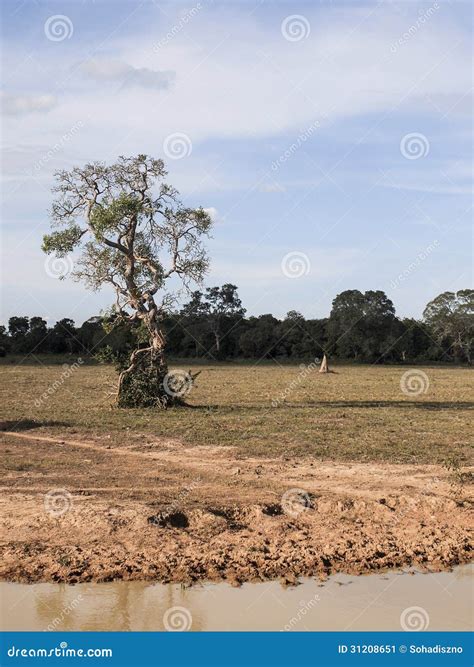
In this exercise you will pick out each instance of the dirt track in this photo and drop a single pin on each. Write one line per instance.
(156, 510)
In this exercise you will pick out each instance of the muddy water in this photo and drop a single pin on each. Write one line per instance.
(373, 602)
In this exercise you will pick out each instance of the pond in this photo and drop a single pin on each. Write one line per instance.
(383, 601)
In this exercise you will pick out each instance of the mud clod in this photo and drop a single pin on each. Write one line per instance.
(172, 520)
(272, 510)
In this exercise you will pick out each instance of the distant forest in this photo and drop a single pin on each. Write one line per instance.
(362, 327)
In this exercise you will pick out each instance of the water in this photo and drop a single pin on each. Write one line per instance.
(371, 602)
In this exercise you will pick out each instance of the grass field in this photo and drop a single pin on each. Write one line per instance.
(358, 413)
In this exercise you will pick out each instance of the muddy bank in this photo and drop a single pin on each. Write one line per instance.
(86, 511)
(99, 542)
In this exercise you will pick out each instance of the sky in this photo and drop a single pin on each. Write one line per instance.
(331, 142)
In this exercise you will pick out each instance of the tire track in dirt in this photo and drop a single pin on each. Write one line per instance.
(83, 492)
(75, 443)
(340, 478)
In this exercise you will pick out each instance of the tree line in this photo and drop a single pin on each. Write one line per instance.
(362, 326)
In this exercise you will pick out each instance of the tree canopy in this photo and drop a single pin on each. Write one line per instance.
(132, 232)
(450, 317)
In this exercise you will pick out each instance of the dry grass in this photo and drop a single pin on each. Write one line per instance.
(358, 413)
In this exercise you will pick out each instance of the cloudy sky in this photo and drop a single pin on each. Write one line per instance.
(330, 141)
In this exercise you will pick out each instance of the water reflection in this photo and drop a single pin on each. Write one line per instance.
(373, 602)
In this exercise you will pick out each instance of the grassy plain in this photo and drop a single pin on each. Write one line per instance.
(358, 413)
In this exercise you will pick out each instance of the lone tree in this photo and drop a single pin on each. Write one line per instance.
(133, 233)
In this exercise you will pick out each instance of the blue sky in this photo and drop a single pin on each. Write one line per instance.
(331, 141)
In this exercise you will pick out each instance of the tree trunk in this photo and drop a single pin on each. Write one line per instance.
(145, 382)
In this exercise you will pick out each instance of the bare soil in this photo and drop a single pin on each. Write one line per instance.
(156, 509)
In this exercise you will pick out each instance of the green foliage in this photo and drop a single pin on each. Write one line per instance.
(359, 330)
(18, 327)
(259, 337)
(143, 387)
(105, 355)
(62, 242)
(450, 317)
(362, 326)
(218, 311)
(115, 215)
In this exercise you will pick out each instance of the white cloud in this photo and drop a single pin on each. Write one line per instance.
(15, 105)
(246, 81)
(272, 187)
(434, 188)
(441, 176)
(106, 69)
